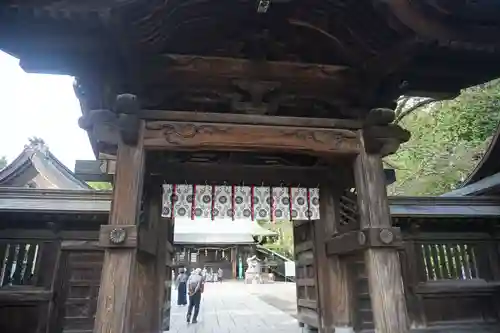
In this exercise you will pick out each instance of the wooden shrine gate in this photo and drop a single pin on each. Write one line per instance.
(275, 93)
(148, 155)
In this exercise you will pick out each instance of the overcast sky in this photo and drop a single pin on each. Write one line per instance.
(39, 105)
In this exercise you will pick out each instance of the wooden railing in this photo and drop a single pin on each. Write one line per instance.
(451, 275)
(19, 263)
(26, 264)
(27, 272)
(451, 272)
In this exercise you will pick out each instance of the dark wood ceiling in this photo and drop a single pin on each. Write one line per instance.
(183, 55)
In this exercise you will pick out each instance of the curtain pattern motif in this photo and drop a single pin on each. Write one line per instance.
(240, 202)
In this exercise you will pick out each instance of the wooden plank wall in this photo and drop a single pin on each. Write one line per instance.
(306, 273)
(82, 276)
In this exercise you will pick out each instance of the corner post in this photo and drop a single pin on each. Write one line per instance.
(120, 236)
(382, 262)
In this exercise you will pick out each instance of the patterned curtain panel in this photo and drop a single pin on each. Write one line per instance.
(281, 203)
(236, 202)
(203, 201)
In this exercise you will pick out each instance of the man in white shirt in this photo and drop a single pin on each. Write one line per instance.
(195, 285)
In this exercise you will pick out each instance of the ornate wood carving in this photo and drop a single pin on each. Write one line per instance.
(205, 136)
(120, 237)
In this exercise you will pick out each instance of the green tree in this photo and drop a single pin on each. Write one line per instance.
(101, 186)
(283, 244)
(448, 140)
(3, 162)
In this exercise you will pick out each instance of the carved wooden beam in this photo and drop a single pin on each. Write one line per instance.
(241, 68)
(224, 137)
(104, 125)
(219, 174)
(190, 72)
(247, 119)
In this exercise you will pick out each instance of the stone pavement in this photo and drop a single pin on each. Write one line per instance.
(279, 294)
(232, 307)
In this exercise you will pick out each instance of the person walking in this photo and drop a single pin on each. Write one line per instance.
(195, 286)
(220, 273)
(180, 284)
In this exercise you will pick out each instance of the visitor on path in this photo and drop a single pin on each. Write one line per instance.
(180, 284)
(219, 274)
(195, 286)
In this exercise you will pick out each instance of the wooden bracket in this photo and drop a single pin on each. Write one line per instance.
(127, 107)
(129, 125)
(380, 117)
(384, 140)
(118, 236)
(358, 240)
(127, 104)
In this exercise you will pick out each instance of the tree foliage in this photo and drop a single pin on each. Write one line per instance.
(448, 140)
(101, 186)
(3, 162)
(283, 244)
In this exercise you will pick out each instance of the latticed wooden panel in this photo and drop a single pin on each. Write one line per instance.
(348, 211)
(19, 263)
(457, 261)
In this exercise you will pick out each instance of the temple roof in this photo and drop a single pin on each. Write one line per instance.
(37, 167)
(485, 177)
(323, 58)
(489, 164)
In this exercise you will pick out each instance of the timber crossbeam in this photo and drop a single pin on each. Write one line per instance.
(359, 240)
(212, 137)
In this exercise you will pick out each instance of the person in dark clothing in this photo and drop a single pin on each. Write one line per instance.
(180, 283)
(195, 286)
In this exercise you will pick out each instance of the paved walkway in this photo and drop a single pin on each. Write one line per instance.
(232, 307)
(279, 294)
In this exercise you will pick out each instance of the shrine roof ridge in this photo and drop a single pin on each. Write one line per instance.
(44, 162)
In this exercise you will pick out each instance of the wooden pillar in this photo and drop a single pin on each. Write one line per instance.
(337, 296)
(323, 231)
(150, 269)
(382, 262)
(166, 260)
(234, 263)
(116, 292)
